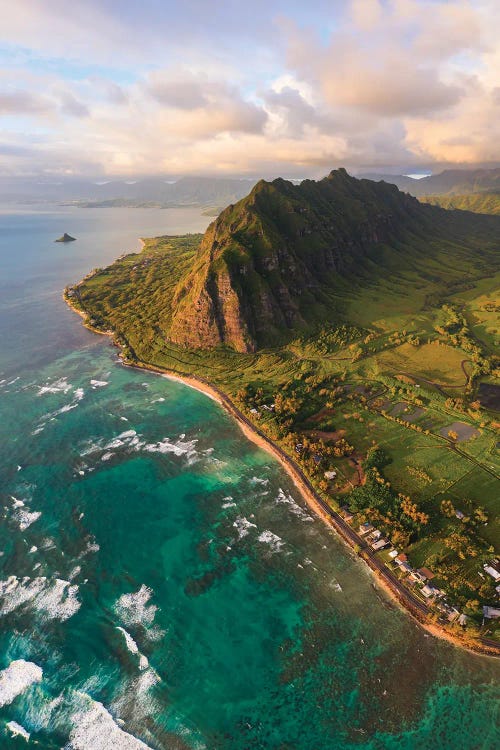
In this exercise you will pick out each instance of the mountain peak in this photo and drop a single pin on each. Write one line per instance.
(267, 265)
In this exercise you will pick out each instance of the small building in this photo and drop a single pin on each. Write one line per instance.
(492, 572)
(346, 514)
(425, 574)
(393, 553)
(492, 613)
(380, 544)
(428, 591)
(405, 567)
(497, 589)
(401, 558)
(459, 515)
(299, 447)
(365, 528)
(462, 620)
(453, 614)
(330, 474)
(254, 410)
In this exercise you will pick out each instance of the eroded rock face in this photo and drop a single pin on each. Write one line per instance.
(268, 259)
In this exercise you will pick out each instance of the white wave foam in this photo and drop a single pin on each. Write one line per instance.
(134, 648)
(273, 540)
(95, 729)
(158, 400)
(98, 383)
(228, 502)
(16, 678)
(79, 394)
(124, 419)
(17, 730)
(16, 503)
(58, 386)
(133, 609)
(107, 456)
(55, 599)
(25, 518)
(181, 447)
(243, 526)
(258, 480)
(294, 507)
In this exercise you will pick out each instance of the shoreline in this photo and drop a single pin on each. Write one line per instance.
(382, 577)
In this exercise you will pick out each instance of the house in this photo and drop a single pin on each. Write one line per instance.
(254, 411)
(401, 558)
(462, 620)
(425, 574)
(380, 544)
(428, 591)
(330, 474)
(492, 572)
(453, 614)
(491, 613)
(393, 553)
(459, 515)
(365, 528)
(376, 534)
(346, 514)
(404, 566)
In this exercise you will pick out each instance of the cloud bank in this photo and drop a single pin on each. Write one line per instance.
(275, 87)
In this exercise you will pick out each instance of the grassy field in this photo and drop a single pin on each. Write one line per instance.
(368, 380)
(435, 362)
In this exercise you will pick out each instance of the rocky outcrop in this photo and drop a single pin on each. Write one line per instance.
(266, 263)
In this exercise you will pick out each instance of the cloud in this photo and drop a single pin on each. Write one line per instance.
(70, 105)
(18, 102)
(268, 88)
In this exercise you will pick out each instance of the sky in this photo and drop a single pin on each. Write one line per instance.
(261, 87)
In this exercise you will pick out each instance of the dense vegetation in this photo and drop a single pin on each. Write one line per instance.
(479, 203)
(379, 402)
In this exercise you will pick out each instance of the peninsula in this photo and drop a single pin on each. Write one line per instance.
(354, 332)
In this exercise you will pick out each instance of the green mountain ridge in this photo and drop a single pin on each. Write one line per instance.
(271, 264)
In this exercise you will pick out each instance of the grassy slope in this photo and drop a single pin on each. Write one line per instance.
(479, 203)
(133, 297)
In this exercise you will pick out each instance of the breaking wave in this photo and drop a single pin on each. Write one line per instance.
(55, 599)
(16, 678)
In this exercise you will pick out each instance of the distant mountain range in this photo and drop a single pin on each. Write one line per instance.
(153, 191)
(449, 182)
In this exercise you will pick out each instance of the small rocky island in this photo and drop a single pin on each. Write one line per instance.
(66, 238)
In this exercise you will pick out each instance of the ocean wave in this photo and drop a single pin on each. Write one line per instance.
(228, 502)
(98, 383)
(17, 730)
(94, 728)
(259, 480)
(58, 386)
(293, 506)
(55, 599)
(134, 648)
(16, 678)
(134, 609)
(131, 441)
(273, 540)
(243, 526)
(25, 518)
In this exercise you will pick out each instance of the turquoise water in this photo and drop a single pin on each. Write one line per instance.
(162, 584)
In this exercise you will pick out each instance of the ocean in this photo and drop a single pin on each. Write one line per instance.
(162, 584)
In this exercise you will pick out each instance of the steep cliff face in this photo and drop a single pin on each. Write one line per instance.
(266, 262)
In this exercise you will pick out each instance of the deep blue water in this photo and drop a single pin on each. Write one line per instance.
(162, 584)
